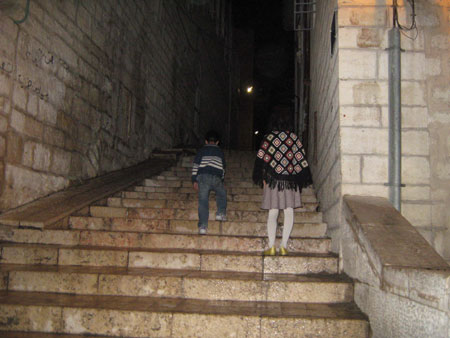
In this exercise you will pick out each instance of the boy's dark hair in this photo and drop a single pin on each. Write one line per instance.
(212, 136)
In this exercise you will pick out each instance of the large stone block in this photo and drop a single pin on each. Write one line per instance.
(363, 92)
(415, 170)
(60, 162)
(364, 141)
(20, 97)
(362, 16)
(360, 116)
(24, 185)
(417, 214)
(415, 142)
(379, 190)
(14, 150)
(357, 64)
(290, 327)
(53, 282)
(29, 255)
(47, 112)
(155, 286)
(117, 323)
(164, 261)
(351, 169)
(394, 316)
(416, 193)
(2, 146)
(186, 325)
(3, 121)
(375, 169)
(93, 257)
(41, 157)
(18, 121)
(30, 318)
(414, 93)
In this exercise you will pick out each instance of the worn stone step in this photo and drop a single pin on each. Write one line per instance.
(23, 334)
(154, 182)
(191, 227)
(233, 173)
(192, 214)
(192, 196)
(204, 260)
(192, 204)
(122, 316)
(156, 240)
(228, 183)
(188, 190)
(189, 284)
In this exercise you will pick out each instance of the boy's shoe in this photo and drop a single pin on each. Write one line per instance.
(202, 229)
(221, 217)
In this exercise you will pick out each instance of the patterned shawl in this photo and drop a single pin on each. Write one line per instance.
(281, 162)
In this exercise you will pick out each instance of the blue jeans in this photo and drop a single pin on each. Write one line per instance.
(206, 183)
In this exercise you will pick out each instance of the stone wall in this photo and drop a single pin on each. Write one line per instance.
(364, 117)
(324, 135)
(403, 288)
(87, 87)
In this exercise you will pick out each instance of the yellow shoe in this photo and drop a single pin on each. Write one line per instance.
(283, 251)
(270, 252)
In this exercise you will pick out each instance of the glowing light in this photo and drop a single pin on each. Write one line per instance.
(257, 132)
(249, 89)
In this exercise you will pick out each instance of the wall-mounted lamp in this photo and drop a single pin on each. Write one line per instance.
(249, 89)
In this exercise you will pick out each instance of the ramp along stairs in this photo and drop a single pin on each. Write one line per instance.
(134, 265)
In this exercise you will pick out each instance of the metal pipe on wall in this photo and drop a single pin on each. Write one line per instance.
(395, 126)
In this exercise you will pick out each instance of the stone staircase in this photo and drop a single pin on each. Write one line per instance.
(133, 265)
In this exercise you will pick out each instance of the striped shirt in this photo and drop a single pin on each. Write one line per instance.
(209, 160)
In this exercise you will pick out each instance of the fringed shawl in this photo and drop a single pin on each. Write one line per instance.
(281, 162)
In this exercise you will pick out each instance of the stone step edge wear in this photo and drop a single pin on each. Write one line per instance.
(177, 273)
(347, 310)
(137, 240)
(55, 207)
(227, 228)
(158, 203)
(136, 250)
(190, 286)
(192, 214)
(170, 259)
(23, 334)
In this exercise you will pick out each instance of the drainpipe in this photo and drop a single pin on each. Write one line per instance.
(395, 141)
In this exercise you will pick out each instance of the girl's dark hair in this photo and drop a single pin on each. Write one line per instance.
(280, 122)
(212, 136)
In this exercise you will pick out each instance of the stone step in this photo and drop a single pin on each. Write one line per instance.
(188, 284)
(193, 196)
(203, 260)
(191, 227)
(23, 334)
(192, 214)
(192, 204)
(171, 175)
(125, 316)
(157, 240)
(188, 190)
(187, 183)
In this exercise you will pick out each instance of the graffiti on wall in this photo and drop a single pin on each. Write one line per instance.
(37, 57)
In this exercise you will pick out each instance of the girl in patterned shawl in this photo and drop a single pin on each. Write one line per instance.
(282, 170)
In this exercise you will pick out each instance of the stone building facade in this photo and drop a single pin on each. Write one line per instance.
(88, 87)
(349, 110)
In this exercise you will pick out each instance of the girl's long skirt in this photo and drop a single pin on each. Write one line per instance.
(274, 199)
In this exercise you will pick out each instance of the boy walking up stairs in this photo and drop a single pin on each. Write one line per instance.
(134, 265)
